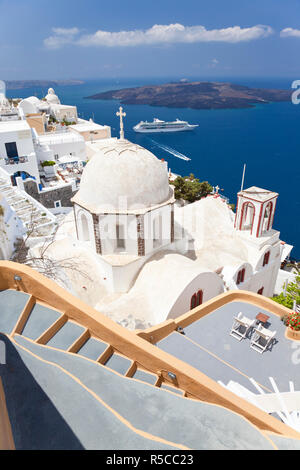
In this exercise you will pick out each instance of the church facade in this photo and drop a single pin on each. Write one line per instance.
(161, 259)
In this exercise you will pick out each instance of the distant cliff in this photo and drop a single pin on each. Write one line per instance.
(20, 84)
(196, 95)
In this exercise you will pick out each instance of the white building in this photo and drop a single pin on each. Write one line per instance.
(11, 229)
(90, 131)
(56, 145)
(151, 260)
(17, 154)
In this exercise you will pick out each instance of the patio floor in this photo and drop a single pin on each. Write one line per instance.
(208, 346)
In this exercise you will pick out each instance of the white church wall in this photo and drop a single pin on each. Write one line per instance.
(210, 284)
(85, 226)
(126, 243)
(158, 220)
(123, 277)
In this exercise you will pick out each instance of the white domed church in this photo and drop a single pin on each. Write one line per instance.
(153, 260)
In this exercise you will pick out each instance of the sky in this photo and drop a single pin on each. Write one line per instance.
(65, 39)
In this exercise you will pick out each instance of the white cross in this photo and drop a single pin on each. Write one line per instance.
(217, 189)
(121, 115)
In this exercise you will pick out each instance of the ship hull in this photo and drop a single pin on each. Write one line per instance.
(148, 131)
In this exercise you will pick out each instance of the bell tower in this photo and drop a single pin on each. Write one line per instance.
(255, 211)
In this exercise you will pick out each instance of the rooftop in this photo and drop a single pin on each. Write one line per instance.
(87, 126)
(259, 194)
(14, 126)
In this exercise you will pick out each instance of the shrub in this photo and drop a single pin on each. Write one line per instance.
(48, 163)
(190, 188)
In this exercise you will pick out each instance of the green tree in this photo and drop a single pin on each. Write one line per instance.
(190, 188)
(292, 294)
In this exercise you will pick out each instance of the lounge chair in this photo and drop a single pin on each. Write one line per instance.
(261, 339)
(241, 326)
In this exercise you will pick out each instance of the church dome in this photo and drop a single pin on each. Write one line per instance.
(29, 105)
(123, 174)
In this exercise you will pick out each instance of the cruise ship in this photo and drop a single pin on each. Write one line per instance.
(162, 126)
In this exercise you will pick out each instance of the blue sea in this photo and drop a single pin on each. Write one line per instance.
(265, 137)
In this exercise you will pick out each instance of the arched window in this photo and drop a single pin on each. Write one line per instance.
(241, 276)
(199, 297)
(120, 234)
(260, 291)
(84, 228)
(266, 258)
(267, 217)
(247, 216)
(157, 231)
(196, 299)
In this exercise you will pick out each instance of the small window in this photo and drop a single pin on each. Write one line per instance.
(11, 149)
(197, 299)
(261, 291)
(56, 156)
(57, 204)
(120, 236)
(241, 276)
(266, 258)
(194, 301)
(157, 231)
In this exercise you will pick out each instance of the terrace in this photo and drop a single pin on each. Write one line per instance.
(206, 344)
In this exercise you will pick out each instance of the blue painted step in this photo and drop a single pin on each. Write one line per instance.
(12, 304)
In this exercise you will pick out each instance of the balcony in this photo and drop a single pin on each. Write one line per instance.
(15, 160)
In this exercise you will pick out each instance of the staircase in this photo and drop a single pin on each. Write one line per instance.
(36, 218)
(67, 389)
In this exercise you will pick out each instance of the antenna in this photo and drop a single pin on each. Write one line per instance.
(243, 178)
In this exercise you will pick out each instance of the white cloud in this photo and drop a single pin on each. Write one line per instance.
(61, 37)
(290, 32)
(157, 34)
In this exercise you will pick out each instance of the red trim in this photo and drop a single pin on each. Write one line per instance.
(274, 212)
(193, 301)
(259, 221)
(266, 258)
(241, 276)
(271, 213)
(260, 202)
(196, 299)
(242, 214)
(199, 297)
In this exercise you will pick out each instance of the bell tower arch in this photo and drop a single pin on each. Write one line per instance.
(255, 211)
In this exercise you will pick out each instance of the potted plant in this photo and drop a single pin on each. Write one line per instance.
(48, 167)
(292, 323)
